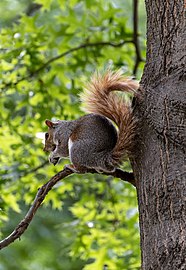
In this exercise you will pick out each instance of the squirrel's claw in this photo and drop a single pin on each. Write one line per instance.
(71, 167)
(55, 161)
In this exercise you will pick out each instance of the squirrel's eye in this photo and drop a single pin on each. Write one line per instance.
(46, 135)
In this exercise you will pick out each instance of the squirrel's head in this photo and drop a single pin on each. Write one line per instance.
(49, 143)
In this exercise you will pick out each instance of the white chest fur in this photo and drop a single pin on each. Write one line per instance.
(70, 143)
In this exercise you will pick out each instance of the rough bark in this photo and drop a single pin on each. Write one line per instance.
(160, 163)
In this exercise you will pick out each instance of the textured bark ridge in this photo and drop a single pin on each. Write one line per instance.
(160, 161)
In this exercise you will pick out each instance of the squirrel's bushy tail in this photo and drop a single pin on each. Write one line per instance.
(98, 98)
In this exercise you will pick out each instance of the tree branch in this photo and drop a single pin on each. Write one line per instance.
(41, 194)
(125, 176)
(51, 60)
(33, 170)
(82, 46)
(135, 36)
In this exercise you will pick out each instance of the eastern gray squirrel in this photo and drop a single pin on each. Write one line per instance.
(92, 141)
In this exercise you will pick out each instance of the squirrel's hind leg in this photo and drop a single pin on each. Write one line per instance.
(71, 167)
(105, 164)
(75, 169)
(84, 159)
(108, 169)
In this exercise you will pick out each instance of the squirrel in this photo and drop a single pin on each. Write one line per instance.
(92, 141)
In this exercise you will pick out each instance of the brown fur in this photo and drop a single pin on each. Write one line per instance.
(98, 98)
(76, 133)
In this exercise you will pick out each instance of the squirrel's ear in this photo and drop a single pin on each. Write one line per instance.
(49, 123)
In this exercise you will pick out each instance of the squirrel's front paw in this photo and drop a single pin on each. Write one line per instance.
(71, 167)
(53, 160)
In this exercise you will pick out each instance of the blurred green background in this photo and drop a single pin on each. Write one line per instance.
(87, 221)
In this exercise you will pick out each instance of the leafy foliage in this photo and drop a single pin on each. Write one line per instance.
(45, 60)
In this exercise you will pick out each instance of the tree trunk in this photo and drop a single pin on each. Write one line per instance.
(159, 163)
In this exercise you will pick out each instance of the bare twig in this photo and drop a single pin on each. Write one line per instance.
(51, 60)
(32, 8)
(135, 36)
(40, 196)
(82, 46)
(33, 170)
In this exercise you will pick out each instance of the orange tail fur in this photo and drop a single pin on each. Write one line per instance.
(98, 98)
